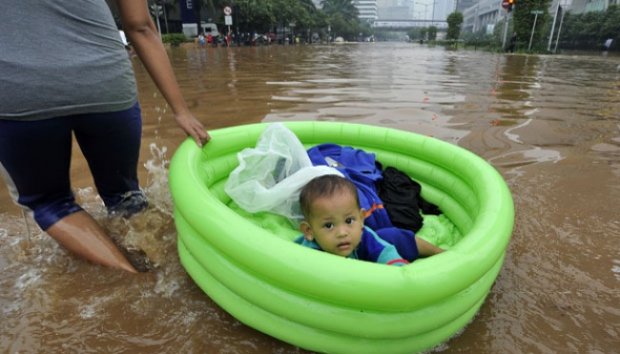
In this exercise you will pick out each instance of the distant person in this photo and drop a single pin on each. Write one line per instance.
(202, 40)
(77, 80)
(513, 42)
(228, 38)
(607, 44)
(334, 223)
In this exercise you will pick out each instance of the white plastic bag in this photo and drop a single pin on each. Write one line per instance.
(271, 175)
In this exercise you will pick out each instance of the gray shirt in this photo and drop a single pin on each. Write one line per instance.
(61, 57)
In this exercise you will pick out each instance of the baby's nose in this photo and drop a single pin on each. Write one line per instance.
(343, 231)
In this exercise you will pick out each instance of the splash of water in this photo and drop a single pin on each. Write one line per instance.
(616, 269)
(151, 231)
(157, 182)
(27, 279)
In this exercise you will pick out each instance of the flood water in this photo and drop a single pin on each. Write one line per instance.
(549, 124)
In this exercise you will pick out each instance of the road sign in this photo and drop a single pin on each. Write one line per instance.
(156, 10)
(537, 12)
(227, 11)
(508, 4)
(228, 20)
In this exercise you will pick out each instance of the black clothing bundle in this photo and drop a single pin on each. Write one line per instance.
(402, 200)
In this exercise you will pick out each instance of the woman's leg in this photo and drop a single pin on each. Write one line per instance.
(82, 235)
(35, 158)
(111, 144)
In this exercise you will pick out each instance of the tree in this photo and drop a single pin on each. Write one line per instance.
(255, 15)
(263, 15)
(344, 8)
(524, 19)
(589, 30)
(454, 20)
(342, 16)
(610, 26)
(299, 12)
(432, 33)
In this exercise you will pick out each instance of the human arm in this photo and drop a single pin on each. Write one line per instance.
(390, 256)
(375, 249)
(143, 35)
(401, 239)
(426, 248)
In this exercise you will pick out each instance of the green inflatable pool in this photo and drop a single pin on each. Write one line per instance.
(249, 265)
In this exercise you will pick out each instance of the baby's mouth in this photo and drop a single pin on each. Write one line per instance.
(344, 245)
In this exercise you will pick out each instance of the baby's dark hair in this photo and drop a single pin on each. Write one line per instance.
(324, 186)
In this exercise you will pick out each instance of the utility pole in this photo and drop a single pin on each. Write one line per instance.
(162, 3)
(156, 11)
(506, 20)
(559, 29)
(557, 8)
(507, 5)
(536, 13)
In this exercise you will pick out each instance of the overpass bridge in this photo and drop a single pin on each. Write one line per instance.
(404, 25)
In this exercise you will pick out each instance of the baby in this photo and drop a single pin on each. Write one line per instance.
(334, 222)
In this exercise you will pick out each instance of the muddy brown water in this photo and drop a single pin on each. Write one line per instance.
(549, 124)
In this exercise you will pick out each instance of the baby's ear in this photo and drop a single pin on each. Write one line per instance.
(307, 230)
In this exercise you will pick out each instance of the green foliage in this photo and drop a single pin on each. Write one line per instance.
(255, 15)
(261, 15)
(479, 39)
(424, 33)
(589, 30)
(579, 31)
(382, 34)
(454, 20)
(524, 20)
(265, 15)
(342, 16)
(174, 39)
(432, 33)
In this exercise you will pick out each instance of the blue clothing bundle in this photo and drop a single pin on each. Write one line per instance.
(395, 221)
(389, 196)
(363, 170)
(377, 246)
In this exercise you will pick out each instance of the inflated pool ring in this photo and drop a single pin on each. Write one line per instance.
(327, 303)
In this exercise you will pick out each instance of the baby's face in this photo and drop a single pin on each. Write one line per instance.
(335, 223)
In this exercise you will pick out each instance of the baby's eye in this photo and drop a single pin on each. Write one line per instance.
(350, 221)
(328, 225)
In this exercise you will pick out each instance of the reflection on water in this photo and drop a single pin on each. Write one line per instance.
(549, 124)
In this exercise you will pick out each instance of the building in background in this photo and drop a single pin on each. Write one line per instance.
(462, 5)
(581, 6)
(432, 9)
(482, 16)
(367, 9)
(395, 9)
(442, 8)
